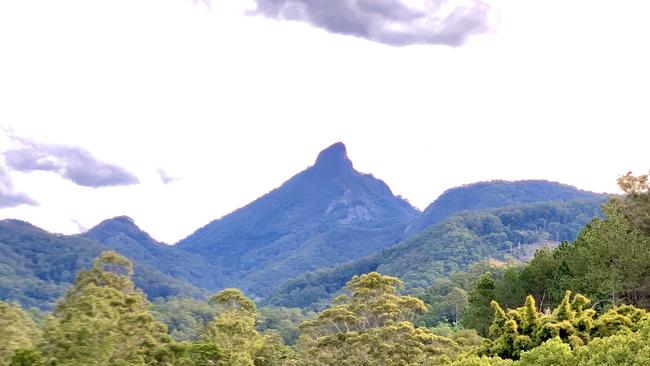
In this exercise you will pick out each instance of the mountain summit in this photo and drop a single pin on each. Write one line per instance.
(323, 216)
(333, 159)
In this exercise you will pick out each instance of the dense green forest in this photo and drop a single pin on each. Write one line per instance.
(584, 302)
(502, 235)
(494, 194)
(36, 267)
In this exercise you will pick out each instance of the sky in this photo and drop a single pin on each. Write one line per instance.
(178, 112)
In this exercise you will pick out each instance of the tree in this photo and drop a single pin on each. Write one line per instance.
(517, 331)
(17, 331)
(635, 206)
(103, 320)
(233, 330)
(285, 321)
(457, 301)
(553, 352)
(26, 357)
(626, 349)
(184, 317)
(372, 327)
(610, 260)
(540, 276)
(478, 313)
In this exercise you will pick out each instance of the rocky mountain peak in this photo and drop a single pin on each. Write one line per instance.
(333, 157)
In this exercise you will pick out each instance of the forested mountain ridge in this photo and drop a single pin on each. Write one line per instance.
(36, 267)
(453, 244)
(494, 194)
(122, 235)
(326, 215)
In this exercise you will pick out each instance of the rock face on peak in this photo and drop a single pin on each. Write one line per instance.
(334, 159)
(323, 216)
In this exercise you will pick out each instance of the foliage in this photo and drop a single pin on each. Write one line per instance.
(17, 331)
(516, 331)
(630, 348)
(233, 329)
(467, 339)
(446, 298)
(452, 245)
(36, 267)
(472, 360)
(284, 321)
(372, 327)
(624, 349)
(553, 352)
(479, 311)
(122, 235)
(635, 206)
(103, 320)
(184, 317)
(26, 357)
(609, 262)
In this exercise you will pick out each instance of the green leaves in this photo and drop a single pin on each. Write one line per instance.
(372, 327)
(17, 331)
(516, 331)
(232, 299)
(103, 320)
(233, 331)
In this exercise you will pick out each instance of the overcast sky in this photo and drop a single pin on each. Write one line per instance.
(177, 112)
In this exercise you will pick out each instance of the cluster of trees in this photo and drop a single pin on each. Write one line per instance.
(105, 320)
(451, 245)
(570, 335)
(609, 262)
(36, 267)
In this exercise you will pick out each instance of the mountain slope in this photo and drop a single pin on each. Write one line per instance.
(494, 194)
(323, 216)
(124, 236)
(36, 267)
(453, 244)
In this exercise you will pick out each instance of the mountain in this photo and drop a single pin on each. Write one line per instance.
(122, 235)
(326, 215)
(300, 242)
(453, 244)
(36, 266)
(494, 194)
